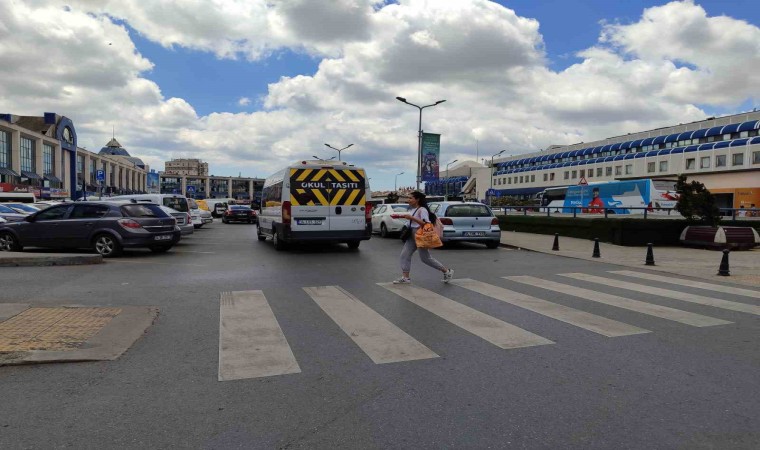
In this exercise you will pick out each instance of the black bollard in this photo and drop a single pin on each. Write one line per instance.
(596, 249)
(723, 270)
(650, 255)
(555, 247)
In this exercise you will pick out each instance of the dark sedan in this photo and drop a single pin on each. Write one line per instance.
(239, 213)
(105, 227)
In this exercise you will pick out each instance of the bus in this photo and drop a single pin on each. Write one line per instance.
(616, 197)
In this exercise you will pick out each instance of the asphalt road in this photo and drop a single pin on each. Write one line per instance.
(677, 386)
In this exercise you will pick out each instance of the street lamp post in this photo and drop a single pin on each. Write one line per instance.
(490, 197)
(419, 136)
(338, 149)
(395, 181)
(446, 197)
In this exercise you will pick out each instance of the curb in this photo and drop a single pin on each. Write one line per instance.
(31, 260)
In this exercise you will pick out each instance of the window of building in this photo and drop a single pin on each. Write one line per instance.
(704, 162)
(532, 178)
(720, 161)
(27, 155)
(521, 178)
(546, 177)
(618, 170)
(737, 159)
(599, 171)
(5, 149)
(575, 174)
(663, 166)
(509, 180)
(551, 175)
(629, 169)
(48, 165)
(93, 175)
(691, 163)
(651, 167)
(590, 173)
(756, 157)
(567, 175)
(583, 173)
(608, 171)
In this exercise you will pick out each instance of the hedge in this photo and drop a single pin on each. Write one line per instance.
(618, 231)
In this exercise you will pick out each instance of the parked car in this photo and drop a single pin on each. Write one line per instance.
(184, 220)
(383, 223)
(239, 213)
(199, 215)
(23, 208)
(216, 206)
(468, 222)
(106, 227)
(10, 214)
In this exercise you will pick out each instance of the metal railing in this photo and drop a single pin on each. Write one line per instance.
(585, 211)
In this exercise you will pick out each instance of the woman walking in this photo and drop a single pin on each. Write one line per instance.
(420, 215)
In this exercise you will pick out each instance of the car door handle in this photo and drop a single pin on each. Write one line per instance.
(88, 223)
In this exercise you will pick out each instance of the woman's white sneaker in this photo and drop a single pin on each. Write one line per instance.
(403, 280)
(448, 275)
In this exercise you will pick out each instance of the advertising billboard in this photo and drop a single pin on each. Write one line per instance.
(153, 185)
(431, 155)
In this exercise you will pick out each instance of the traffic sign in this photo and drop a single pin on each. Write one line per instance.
(191, 189)
(100, 175)
(583, 182)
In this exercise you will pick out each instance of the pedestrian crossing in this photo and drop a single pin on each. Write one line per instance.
(252, 344)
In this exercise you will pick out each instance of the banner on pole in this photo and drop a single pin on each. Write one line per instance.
(431, 154)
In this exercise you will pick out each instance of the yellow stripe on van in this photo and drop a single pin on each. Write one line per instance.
(352, 197)
(337, 175)
(350, 174)
(305, 174)
(321, 198)
(336, 198)
(319, 175)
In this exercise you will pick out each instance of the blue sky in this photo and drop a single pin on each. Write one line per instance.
(169, 75)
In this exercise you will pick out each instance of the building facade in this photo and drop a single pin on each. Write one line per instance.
(243, 189)
(722, 153)
(40, 155)
(190, 167)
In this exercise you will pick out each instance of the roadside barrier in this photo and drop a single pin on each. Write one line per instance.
(650, 255)
(723, 270)
(596, 254)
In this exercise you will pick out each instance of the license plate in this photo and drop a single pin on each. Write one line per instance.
(474, 233)
(308, 222)
(163, 238)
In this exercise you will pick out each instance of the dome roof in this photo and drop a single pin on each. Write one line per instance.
(138, 162)
(114, 148)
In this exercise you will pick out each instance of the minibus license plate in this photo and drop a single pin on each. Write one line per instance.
(474, 233)
(308, 222)
(165, 237)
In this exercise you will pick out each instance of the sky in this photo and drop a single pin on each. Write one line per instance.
(253, 85)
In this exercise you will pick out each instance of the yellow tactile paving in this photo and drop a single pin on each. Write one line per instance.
(53, 328)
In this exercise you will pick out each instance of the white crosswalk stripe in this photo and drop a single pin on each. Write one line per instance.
(588, 321)
(382, 341)
(663, 312)
(493, 330)
(689, 283)
(684, 296)
(251, 343)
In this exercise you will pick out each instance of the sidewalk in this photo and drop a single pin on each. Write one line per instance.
(744, 265)
(30, 259)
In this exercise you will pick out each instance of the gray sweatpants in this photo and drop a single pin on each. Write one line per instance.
(410, 246)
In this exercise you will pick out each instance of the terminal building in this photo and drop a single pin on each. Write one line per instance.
(190, 176)
(722, 153)
(40, 155)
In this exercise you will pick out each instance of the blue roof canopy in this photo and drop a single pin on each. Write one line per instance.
(714, 131)
(747, 126)
(699, 133)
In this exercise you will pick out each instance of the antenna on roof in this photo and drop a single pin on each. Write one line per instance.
(113, 131)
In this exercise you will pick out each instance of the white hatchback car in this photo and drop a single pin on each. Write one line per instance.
(383, 223)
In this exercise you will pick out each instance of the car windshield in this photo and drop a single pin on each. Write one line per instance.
(143, 210)
(400, 208)
(178, 203)
(468, 211)
(23, 207)
(5, 209)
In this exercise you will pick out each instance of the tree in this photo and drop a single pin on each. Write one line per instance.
(392, 197)
(696, 203)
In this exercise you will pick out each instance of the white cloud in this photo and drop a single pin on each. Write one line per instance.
(484, 59)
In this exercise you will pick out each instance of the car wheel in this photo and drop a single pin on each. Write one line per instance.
(9, 243)
(492, 244)
(249, 222)
(197, 226)
(353, 245)
(106, 245)
(383, 230)
(279, 244)
(160, 248)
(225, 221)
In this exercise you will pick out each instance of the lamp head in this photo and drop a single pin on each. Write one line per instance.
(439, 102)
(401, 99)
(349, 145)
